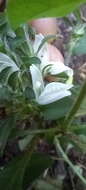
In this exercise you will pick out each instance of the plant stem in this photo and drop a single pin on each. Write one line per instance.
(22, 133)
(69, 118)
(65, 157)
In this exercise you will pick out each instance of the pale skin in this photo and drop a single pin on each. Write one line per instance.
(48, 26)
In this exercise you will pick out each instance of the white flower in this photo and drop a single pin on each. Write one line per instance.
(51, 92)
(50, 67)
(46, 94)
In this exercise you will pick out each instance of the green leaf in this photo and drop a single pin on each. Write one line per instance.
(4, 26)
(5, 94)
(7, 63)
(57, 109)
(44, 185)
(11, 177)
(36, 167)
(23, 167)
(25, 141)
(34, 60)
(49, 183)
(81, 143)
(27, 38)
(29, 93)
(6, 127)
(79, 129)
(20, 11)
(80, 46)
(14, 172)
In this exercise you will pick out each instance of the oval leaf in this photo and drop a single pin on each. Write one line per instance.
(22, 10)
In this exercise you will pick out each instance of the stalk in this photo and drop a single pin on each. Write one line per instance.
(70, 116)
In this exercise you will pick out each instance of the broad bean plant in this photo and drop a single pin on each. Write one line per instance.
(37, 110)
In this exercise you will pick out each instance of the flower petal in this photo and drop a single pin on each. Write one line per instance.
(37, 81)
(59, 67)
(55, 68)
(53, 92)
(43, 100)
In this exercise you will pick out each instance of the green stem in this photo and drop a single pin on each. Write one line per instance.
(69, 118)
(22, 133)
(65, 157)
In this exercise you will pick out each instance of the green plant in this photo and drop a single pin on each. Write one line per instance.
(20, 99)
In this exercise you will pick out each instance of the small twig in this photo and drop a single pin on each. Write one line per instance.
(69, 118)
(82, 16)
(82, 166)
(71, 178)
(67, 160)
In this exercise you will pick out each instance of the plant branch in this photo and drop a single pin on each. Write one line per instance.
(65, 157)
(69, 118)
